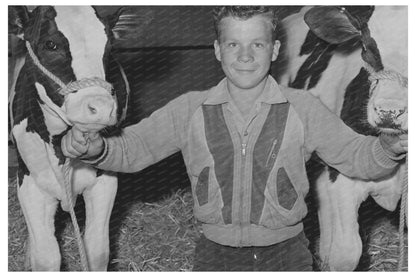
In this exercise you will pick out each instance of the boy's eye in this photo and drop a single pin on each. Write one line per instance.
(232, 44)
(258, 45)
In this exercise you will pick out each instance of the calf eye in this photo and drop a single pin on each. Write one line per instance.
(50, 45)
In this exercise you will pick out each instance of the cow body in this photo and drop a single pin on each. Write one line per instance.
(339, 74)
(70, 42)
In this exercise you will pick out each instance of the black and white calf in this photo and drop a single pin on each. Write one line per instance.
(355, 60)
(63, 81)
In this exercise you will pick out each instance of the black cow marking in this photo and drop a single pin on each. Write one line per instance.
(100, 172)
(26, 105)
(354, 112)
(320, 53)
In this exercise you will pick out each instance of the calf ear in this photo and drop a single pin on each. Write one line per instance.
(332, 24)
(130, 23)
(18, 19)
(121, 23)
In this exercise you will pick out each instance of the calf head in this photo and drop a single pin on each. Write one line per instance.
(387, 106)
(67, 65)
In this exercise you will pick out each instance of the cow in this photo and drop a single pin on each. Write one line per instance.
(68, 77)
(354, 59)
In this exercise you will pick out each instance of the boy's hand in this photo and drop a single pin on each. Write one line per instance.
(76, 144)
(394, 145)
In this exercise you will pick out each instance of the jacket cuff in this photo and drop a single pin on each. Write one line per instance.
(100, 158)
(383, 158)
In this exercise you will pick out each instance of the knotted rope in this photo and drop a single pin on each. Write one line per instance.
(72, 86)
(65, 90)
(389, 75)
(403, 81)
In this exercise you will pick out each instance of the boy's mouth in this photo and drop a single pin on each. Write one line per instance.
(244, 70)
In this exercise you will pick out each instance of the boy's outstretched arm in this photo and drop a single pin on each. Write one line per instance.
(152, 139)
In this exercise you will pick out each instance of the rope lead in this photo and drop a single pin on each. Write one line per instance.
(68, 192)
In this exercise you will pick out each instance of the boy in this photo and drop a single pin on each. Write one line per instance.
(244, 143)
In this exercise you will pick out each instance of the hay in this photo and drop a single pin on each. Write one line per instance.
(158, 236)
(383, 247)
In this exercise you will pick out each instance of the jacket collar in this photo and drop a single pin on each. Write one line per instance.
(271, 93)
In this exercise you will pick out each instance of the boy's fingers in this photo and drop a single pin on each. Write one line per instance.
(404, 143)
(404, 140)
(74, 144)
(93, 135)
(66, 146)
(403, 137)
(78, 136)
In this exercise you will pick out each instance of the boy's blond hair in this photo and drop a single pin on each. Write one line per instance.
(244, 13)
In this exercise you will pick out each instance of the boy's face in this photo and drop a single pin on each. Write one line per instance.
(245, 50)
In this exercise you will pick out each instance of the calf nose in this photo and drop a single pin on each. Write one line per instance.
(388, 113)
(92, 109)
(100, 110)
(390, 108)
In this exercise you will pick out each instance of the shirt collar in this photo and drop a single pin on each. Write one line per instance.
(271, 93)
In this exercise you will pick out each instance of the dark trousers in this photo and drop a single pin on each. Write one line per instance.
(290, 255)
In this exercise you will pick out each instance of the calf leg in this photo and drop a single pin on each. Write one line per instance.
(99, 200)
(39, 211)
(340, 242)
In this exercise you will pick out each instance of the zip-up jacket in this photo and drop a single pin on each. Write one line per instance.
(248, 175)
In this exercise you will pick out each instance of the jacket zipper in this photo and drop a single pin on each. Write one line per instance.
(241, 212)
(243, 149)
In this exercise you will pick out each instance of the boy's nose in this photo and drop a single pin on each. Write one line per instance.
(245, 55)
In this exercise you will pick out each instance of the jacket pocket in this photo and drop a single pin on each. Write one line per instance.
(285, 205)
(207, 199)
(286, 193)
(201, 189)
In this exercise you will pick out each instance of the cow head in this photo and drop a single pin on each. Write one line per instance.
(387, 106)
(68, 60)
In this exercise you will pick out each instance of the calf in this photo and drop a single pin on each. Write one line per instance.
(355, 60)
(63, 81)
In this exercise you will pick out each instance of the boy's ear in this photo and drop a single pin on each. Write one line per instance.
(217, 50)
(276, 48)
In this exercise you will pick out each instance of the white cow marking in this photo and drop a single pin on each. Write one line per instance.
(87, 39)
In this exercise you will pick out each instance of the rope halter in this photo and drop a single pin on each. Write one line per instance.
(66, 89)
(387, 75)
(72, 86)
